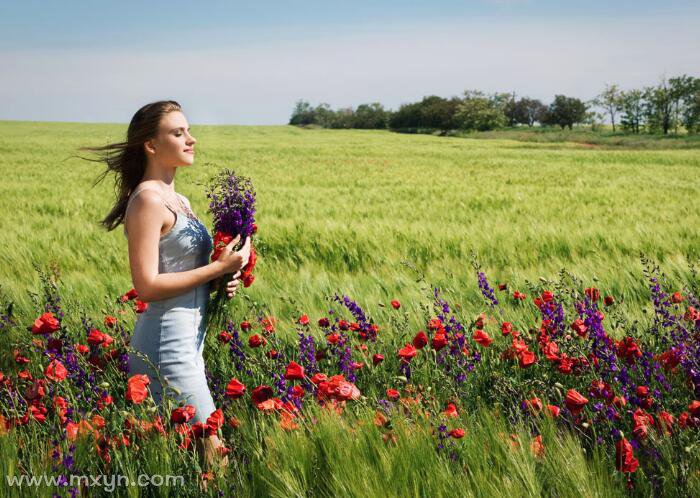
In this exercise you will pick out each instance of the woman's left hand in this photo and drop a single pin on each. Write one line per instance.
(232, 285)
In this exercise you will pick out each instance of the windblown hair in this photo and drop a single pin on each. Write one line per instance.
(127, 160)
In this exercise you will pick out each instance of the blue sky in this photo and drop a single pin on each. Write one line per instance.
(247, 63)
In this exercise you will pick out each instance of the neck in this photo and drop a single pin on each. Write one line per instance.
(164, 176)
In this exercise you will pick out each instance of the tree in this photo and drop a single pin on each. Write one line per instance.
(407, 117)
(566, 111)
(370, 116)
(658, 108)
(610, 100)
(481, 112)
(527, 111)
(691, 117)
(632, 108)
(438, 113)
(511, 111)
(684, 94)
(323, 115)
(303, 114)
(343, 118)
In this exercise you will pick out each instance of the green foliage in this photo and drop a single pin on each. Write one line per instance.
(565, 111)
(481, 112)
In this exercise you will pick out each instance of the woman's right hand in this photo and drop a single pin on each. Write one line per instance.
(232, 262)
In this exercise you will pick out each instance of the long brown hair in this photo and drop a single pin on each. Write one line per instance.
(127, 160)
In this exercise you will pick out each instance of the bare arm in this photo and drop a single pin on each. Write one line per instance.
(143, 225)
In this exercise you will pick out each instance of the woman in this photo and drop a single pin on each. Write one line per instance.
(169, 251)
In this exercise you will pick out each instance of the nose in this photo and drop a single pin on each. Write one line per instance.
(191, 140)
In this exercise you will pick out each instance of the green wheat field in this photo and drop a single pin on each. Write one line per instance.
(365, 214)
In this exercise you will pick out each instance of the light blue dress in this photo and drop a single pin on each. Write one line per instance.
(171, 331)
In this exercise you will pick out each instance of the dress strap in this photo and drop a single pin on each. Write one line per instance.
(137, 191)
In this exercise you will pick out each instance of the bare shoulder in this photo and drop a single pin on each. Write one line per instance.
(145, 204)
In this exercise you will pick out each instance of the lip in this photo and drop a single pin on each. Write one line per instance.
(189, 151)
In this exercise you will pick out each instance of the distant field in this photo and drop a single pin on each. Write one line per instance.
(602, 138)
(340, 210)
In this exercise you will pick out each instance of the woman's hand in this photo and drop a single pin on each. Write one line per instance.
(232, 262)
(231, 286)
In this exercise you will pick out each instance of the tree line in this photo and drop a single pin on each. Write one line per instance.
(669, 107)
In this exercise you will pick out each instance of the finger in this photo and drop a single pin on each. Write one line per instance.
(233, 242)
(236, 275)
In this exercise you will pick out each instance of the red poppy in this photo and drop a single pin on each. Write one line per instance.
(318, 377)
(526, 359)
(407, 352)
(333, 338)
(592, 293)
(677, 297)
(46, 324)
(451, 411)
(628, 349)
(534, 405)
(255, 341)
(624, 456)
(575, 401)
(105, 399)
(245, 326)
(337, 388)
(377, 358)
(553, 410)
(551, 351)
(221, 240)
(506, 328)
(303, 320)
(294, 371)
(439, 341)
(224, 337)
(110, 321)
(234, 389)
(694, 408)
(323, 322)
(140, 306)
(642, 422)
(393, 394)
(136, 391)
(457, 433)
(97, 338)
(261, 393)
(481, 337)
(579, 327)
(420, 340)
(609, 300)
(130, 294)
(215, 421)
(56, 371)
(182, 414)
(395, 304)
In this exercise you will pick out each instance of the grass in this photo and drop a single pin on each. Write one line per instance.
(340, 211)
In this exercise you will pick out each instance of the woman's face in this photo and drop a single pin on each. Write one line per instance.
(173, 145)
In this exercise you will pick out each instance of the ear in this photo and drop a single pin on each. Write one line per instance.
(148, 147)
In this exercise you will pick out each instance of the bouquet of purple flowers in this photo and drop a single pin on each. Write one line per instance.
(232, 206)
